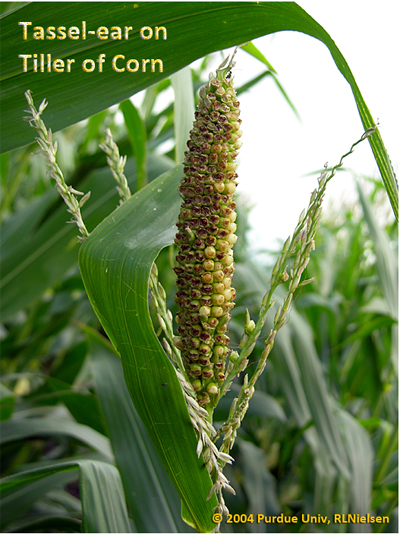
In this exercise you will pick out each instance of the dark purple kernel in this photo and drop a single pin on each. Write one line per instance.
(196, 211)
(222, 233)
(205, 336)
(207, 290)
(202, 233)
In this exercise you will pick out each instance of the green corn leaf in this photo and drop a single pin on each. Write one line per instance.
(183, 110)
(23, 428)
(261, 405)
(50, 524)
(360, 453)
(103, 500)
(137, 136)
(153, 503)
(193, 30)
(252, 50)
(7, 402)
(115, 263)
(258, 482)
(53, 249)
(385, 257)
(15, 503)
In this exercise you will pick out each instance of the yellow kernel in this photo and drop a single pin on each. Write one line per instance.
(231, 227)
(219, 287)
(208, 265)
(218, 275)
(231, 239)
(227, 282)
(229, 294)
(219, 187)
(204, 311)
(230, 188)
(207, 278)
(222, 245)
(219, 350)
(217, 311)
(228, 260)
(219, 299)
(209, 252)
(218, 266)
(232, 216)
(212, 388)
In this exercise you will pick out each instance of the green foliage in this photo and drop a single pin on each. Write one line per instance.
(320, 435)
(115, 263)
(193, 29)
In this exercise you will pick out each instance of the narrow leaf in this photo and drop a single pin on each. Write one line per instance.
(137, 136)
(102, 496)
(183, 110)
(155, 507)
(252, 50)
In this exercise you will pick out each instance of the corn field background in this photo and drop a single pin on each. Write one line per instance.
(321, 432)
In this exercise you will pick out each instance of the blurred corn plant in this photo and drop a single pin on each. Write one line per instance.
(320, 435)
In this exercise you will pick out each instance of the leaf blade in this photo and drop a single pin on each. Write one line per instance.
(153, 509)
(115, 263)
(208, 27)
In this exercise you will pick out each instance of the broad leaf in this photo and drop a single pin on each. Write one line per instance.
(115, 263)
(194, 29)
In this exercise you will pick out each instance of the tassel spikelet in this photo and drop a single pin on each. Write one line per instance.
(206, 234)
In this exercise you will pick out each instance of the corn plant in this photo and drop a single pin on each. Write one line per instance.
(117, 265)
